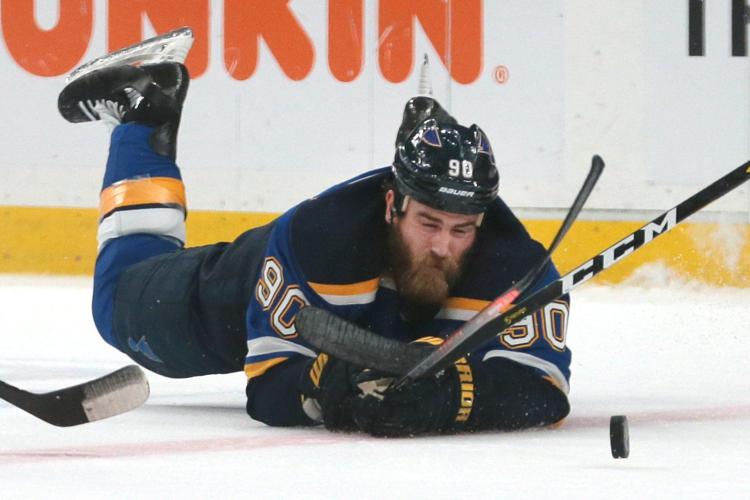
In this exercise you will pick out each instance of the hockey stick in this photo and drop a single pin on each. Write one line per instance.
(337, 337)
(459, 342)
(112, 394)
(399, 358)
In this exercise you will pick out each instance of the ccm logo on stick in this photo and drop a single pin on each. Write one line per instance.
(619, 250)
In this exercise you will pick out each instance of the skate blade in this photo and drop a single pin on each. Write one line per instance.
(169, 47)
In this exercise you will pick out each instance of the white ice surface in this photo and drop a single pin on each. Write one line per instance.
(673, 359)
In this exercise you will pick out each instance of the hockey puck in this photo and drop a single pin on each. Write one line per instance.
(619, 438)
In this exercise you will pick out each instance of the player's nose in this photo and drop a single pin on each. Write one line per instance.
(441, 244)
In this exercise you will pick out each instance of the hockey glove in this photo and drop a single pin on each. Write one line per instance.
(425, 406)
(328, 388)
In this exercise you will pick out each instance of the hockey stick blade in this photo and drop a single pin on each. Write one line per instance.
(343, 339)
(107, 396)
(347, 341)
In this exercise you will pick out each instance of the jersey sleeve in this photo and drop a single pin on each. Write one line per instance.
(278, 295)
(505, 253)
(325, 252)
(313, 257)
(538, 340)
(277, 356)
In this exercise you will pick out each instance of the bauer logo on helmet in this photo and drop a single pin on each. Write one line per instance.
(456, 192)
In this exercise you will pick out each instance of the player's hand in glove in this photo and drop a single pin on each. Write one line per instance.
(328, 389)
(426, 405)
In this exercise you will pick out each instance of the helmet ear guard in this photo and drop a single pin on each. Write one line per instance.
(400, 202)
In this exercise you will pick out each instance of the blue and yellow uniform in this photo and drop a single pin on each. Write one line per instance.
(231, 306)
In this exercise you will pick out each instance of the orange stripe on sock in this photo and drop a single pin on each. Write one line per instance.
(146, 191)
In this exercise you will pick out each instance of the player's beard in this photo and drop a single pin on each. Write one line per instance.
(422, 280)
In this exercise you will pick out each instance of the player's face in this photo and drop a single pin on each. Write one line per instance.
(428, 248)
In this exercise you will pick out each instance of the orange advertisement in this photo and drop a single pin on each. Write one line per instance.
(453, 28)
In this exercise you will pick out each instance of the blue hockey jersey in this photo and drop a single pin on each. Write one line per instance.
(329, 252)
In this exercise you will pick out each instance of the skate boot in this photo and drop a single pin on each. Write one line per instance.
(151, 95)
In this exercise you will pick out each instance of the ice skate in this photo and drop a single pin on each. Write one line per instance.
(145, 83)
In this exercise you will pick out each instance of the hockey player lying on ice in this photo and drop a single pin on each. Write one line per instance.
(409, 251)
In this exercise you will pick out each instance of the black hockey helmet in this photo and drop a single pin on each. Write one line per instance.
(443, 164)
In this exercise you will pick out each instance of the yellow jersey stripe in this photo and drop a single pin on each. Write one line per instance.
(253, 370)
(360, 288)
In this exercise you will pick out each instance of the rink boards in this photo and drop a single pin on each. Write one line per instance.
(63, 241)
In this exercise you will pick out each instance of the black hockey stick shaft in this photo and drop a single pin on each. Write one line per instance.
(348, 341)
(110, 395)
(456, 345)
(597, 167)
